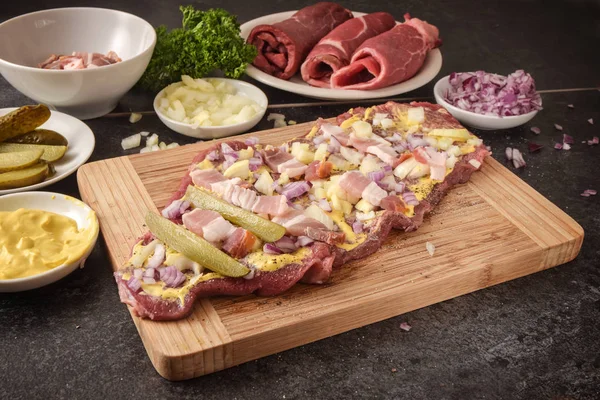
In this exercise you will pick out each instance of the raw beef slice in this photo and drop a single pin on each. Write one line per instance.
(389, 58)
(283, 46)
(335, 50)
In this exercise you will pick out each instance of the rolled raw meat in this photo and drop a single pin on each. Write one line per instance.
(283, 46)
(335, 50)
(389, 58)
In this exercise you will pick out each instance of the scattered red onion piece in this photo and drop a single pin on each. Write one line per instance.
(593, 192)
(430, 248)
(585, 194)
(134, 284)
(558, 146)
(591, 121)
(251, 141)
(566, 146)
(568, 139)
(303, 241)
(213, 155)
(517, 159)
(558, 127)
(270, 248)
(536, 130)
(405, 326)
(508, 153)
(295, 189)
(570, 106)
(357, 226)
(533, 147)
(595, 140)
(324, 204)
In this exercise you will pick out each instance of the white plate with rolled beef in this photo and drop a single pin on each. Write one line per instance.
(351, 79)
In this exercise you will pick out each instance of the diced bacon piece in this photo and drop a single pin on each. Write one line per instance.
(292, 168)
(232, 192)
(275, 157)
(324, 235)
(205, 177)
(385, 154)
(240, 243)
(342, 137)
(318, 170)
(296, 223)
(272, 205)
(218, 230)
(74, 63)
(374, 194)
(354, 183)
(362, 144)
(331, 130)
(221, 186)
(392, 203)
(197, 219)
(421, 155)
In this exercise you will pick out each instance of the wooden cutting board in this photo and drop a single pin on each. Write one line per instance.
(490, 230)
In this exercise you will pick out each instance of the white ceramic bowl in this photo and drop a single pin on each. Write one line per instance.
(59, 204)
(478, 121)
(29, 39)
(215, 132)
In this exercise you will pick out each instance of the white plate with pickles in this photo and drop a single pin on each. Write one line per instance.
(39, 147)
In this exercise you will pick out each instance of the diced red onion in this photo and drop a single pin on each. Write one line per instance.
(533, 147)
(416, 141)
(213, 155)
(585, 194)
(491, 94)
(376, 176)
(536, 130)
(558, 127)
(295, 189)
(400, 147)
(270, 248)
(593, 192)
(405, 326)
(157, 258)
(324, 204)
(517, 159)
(304, 241)
(591, 121)
(508, 153)
(147, 279)
(387, 168)
(570, 106)
(568, 139)
(382, 185)
(254, 163)
(410, 198)
(566, 146)
(286, 244)
(558, 146)
(227, 149)
(399, 187)
(595, 140)
(134, 284)
(312, 197)
(251, 274)
(357, 226)
(251, 141)
(175, 209)
(172, 277)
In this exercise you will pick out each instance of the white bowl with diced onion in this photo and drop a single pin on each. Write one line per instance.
(192, 108)
(475, 120)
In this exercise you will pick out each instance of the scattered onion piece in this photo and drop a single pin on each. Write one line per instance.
(570, 106)
(566, 146)
(533, 147)
(558, 127)
(135, 117)
(430, 248)
(595, 140)
(593, 192)
(591, 121)
(536, 130)
(131, 142)
(585, 194)
(568, 139)
(558, 146)
(517, 159)
(405, 326)
(508, 153)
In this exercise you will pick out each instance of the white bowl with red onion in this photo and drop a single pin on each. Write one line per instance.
(489, 101)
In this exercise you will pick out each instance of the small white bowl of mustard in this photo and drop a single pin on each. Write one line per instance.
(43, 237)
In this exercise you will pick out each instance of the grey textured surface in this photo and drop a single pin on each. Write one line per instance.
(532, 338)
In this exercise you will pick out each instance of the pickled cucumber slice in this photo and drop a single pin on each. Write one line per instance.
(51, 153)
(22, 120)
(24, 177)
(41, 136)
(19, 160)
(263, 228)
(194, 247)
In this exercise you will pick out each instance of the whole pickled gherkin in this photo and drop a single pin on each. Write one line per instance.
(22, 120)
(263, 228)
(40, 136)
(194, 247)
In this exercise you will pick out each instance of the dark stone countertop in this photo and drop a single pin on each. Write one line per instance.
(534, 337)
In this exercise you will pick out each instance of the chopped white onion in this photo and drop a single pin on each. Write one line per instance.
(135, 117)
(131, 142)
(430, 248)
(152, 140)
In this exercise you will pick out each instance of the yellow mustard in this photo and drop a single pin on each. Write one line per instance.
(35, 241)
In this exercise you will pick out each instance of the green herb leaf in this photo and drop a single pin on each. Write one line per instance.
(207, 41)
